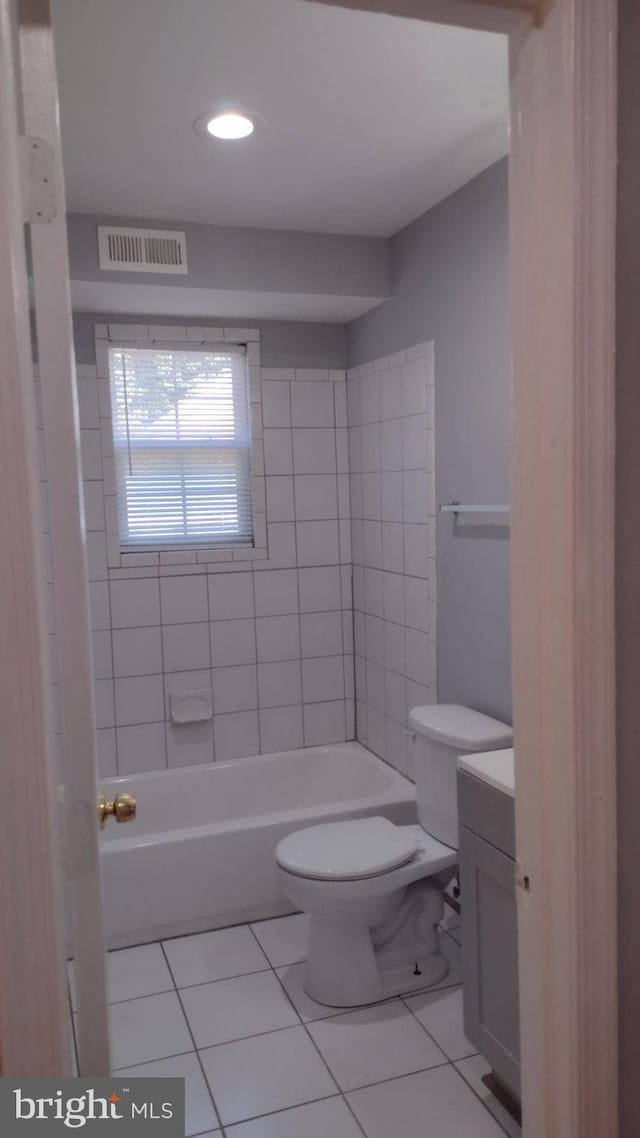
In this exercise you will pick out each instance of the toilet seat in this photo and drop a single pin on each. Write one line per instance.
(347, 851)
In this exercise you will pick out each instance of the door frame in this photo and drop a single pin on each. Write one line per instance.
(563, 77)
(34, 1015)
(50, 882)
(65, 497)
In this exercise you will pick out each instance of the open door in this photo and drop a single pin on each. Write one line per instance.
(32, 149)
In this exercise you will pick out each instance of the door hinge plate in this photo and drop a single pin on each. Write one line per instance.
(38, 180)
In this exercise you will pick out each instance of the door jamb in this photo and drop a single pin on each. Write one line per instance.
(34, 1014)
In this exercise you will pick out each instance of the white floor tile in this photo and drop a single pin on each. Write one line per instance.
(441, 1013)
(436, 1103)
(284, 940)
(472, 1070)
(214, 956)
(371, 1044)
(133, 972)
(151, 1028)
(266, 1073)
(234, 1009)
(140, 971)
(199, 1112)
(331, 1116)
(292, 978)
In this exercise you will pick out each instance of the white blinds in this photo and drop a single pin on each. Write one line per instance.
(182, 445)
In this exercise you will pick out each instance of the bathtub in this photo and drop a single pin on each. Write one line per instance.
(200, 854)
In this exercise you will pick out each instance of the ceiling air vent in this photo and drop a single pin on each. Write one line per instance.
(142, 250)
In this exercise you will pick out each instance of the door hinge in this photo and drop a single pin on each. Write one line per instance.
(38, 180)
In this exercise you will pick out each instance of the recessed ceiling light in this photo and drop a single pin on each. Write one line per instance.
(230, 125)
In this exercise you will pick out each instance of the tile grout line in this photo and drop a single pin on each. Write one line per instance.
(72, 1027)
(210, 648)
(186, 987)
(341, 560)
(297, 553)
(192, 1037)
(149, 1062)
(480, 1100)
(312, 1040)
(113, 657)
(403, 1000)
(166, 696)
(255, 638)
(446, 1063)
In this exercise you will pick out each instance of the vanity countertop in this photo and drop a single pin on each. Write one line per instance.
(494, 767)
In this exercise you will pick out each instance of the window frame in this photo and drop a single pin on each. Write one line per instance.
(181, 338)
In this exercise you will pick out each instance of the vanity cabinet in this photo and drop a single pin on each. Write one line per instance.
(489, 926)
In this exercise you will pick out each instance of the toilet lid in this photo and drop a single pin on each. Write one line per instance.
(339, 851)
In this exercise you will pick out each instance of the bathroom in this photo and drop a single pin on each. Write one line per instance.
(343, 277)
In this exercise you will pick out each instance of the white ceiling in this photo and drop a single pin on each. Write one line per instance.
(364, 121)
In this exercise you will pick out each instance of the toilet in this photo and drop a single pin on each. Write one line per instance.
(374, 890)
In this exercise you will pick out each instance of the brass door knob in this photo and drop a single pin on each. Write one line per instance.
(122, 808)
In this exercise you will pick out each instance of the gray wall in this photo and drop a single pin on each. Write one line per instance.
(449, 283)
(282, 343)
(253, 260)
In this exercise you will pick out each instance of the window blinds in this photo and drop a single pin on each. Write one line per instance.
(182, 446)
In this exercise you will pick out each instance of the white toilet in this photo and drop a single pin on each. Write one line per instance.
(374, 890)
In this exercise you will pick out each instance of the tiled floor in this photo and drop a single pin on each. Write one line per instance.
(227, 1011)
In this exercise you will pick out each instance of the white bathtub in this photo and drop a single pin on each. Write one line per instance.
(199, 855)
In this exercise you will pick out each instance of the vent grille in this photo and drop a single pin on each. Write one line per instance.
(142, 250)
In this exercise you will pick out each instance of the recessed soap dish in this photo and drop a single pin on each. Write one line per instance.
(191, 706)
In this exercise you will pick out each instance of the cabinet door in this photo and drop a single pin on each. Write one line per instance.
(490, 956)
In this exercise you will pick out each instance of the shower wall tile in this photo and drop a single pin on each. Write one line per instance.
(281, 728)
(189, 744)
(278, 638)
(141, 748)
(185, 647)
(236, 735)
(107, 765)
(245, 630)
(137, 651)
(135, 604)
(232, 642)
(392, 489)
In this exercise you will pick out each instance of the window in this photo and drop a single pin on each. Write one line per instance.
(182, 447)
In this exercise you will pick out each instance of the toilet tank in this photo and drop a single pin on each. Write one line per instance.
(443, 732)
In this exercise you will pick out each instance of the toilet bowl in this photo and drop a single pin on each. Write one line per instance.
(374, 890)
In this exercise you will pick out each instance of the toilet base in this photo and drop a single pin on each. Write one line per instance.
(368, 953)
(398, 981)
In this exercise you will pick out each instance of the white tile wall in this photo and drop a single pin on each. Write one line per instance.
(228, 623)
(392, 485)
